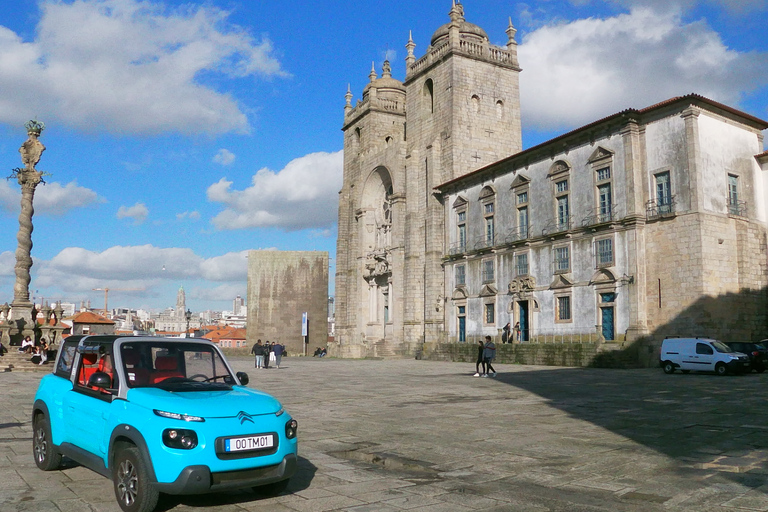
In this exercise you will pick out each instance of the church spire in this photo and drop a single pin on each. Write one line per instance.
(372, 75)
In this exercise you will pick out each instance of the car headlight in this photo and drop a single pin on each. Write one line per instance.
(179, 438)
(177, 416)
(290, 429)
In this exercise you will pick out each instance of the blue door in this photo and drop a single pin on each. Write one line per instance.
(462, 324)
(523, 319)
(607, 321)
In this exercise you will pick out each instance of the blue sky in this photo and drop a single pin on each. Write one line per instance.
(181, 135)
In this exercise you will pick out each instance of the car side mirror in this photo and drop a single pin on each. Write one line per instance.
(100, 380)
(243, 377)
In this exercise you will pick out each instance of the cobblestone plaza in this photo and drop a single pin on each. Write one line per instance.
(426, 436)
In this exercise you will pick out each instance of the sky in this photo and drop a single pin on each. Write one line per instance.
(181, 135)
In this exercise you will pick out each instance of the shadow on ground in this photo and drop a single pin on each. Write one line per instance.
(300, 481)
(703, 421)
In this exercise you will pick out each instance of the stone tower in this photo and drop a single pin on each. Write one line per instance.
(181, 303)
(457, 110)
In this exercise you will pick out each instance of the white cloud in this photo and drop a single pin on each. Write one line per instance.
(224, 157)
(7, 263)
(137, 212)
(76, 270)
(577, 72)
(193, 215)
(50, 198)
(224, 292)
(129, 66)
(302, 195)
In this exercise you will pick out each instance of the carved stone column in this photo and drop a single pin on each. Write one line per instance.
(23, 321)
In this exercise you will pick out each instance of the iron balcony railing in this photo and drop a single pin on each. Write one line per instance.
(737, 208)
(600, 216)
(516, 235)
(457, 248)
(558, 226)
(484, 242)
(654, 209)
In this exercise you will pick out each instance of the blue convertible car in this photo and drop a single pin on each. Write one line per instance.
(160, 415)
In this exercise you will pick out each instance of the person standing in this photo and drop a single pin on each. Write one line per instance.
(506, 335)
(489, 354)
(267, 352)
(517, 331)
(258, 351)
(278, 350)
(480, 359)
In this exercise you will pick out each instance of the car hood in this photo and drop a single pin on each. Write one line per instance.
(206, 404)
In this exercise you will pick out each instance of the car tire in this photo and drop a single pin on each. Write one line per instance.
(133, 489)
(720, 369)
(669, 367)
(47, 456)
(272, 489)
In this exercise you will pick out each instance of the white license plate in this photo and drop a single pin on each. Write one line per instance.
(240, 444)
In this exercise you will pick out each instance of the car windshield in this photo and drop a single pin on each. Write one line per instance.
(174, 366)
(722, 347)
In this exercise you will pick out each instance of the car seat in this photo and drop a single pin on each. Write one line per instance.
(166, 367)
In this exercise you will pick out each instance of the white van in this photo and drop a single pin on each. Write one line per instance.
(701, 354)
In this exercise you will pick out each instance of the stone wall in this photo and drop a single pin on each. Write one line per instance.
(281, 286)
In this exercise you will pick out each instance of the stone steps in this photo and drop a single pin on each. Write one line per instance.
(13, 361)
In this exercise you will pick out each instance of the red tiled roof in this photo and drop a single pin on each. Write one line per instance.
(87, 317)
(628, 113)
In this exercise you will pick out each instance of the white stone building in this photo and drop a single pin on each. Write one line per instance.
(448, 229)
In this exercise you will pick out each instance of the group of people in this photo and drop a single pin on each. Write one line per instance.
(267, 353)
(510, 333)
(486, 353)
(320, 352)
(38, 351)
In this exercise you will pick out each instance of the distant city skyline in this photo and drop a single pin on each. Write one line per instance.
(236, 146)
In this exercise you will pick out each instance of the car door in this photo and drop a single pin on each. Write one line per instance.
(704, 357)
(86, 410)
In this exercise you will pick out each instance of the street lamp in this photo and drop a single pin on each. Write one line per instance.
(188, 315)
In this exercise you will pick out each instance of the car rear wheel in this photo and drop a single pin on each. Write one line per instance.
(133, 489)
(720, 369)
(669, 367)
(47, 457)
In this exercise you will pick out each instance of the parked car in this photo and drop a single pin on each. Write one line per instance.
(160, 415)
(701, 354)
(757, 352)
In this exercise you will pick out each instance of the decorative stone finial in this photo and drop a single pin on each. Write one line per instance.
(410, 46)
(457, 12)
(372, 75)
(348, 96)
(511, 31)
(386, 70)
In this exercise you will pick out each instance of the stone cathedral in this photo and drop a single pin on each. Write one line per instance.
(448, 229)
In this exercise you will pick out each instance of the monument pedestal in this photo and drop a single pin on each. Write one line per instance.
(22, 321)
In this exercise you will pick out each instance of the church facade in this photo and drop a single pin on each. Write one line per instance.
(448, 230)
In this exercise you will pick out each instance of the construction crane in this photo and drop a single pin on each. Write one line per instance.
(106, 294)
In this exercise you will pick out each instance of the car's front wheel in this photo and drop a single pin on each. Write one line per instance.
(721, 369)
(47, 457)
(133, 489)
(669, 367)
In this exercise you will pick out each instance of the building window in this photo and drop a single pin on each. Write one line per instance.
(490, 314)
(521, 264)
(429, 95)
(604, 174)
(561, 186)
(461, 275)
(522, 222)
(562, 259)
(562, 213)
(488, 276)
(462, 323)
(604, 202)
(604, 251)
(734, 207)
(522, 197)
(489, 229)
(462, 225)
(564, 308)
(663, 193)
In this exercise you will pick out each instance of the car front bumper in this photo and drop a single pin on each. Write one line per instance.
(200, 480)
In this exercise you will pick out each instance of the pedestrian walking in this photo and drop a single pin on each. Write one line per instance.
(258, 351)
(480, 359)
(277, 350)
(489, 354)
(272, 358)
(506, 336)
(267, 353)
